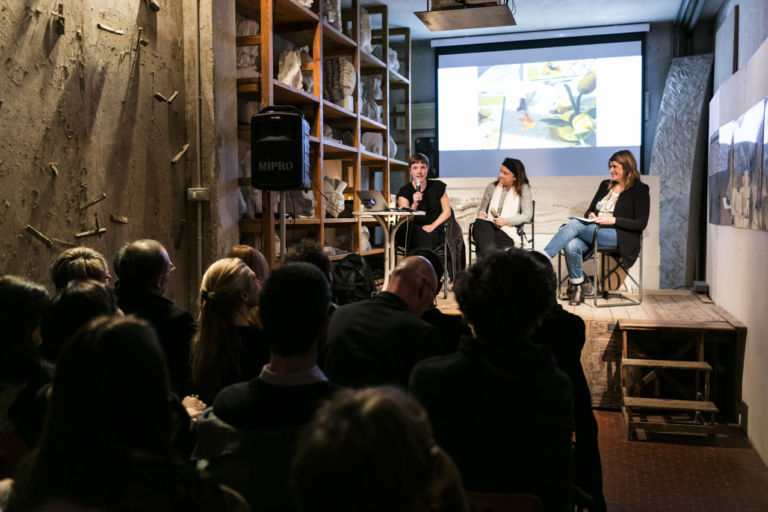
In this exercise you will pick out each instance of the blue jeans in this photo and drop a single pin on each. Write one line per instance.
(576, 238)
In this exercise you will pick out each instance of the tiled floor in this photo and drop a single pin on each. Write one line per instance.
(678, 472)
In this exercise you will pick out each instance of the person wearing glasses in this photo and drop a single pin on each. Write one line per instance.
(144, 269)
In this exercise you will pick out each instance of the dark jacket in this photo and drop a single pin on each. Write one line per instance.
(377, 341)
(175, 329)
(631, 213)
(249, 437)
(505, 415)
(564, 334)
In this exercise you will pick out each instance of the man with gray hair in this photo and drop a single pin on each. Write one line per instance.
(144, 268)
(379, 340)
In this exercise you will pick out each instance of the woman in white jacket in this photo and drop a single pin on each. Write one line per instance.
(505, 205)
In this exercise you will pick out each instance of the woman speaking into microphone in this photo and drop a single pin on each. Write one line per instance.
(428, 196)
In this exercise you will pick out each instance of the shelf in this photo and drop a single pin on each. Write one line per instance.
(335, 41)
(369, 157)
(333, 111)
(288, 11)
(396, 79)
(372, 252)
(284, 94)
(249, 88)
(370, 63)
(398, 163)
(337, 257)
(288, 20)
(242, 41)
(337, 151)
(370, 124)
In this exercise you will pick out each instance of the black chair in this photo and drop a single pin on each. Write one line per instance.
(401, 251)
(606, 266)
(528, 240)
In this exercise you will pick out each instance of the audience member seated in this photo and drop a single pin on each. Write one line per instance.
(506, 204)
(106, 441)
(620, 208)
(258, 263)
(451, 327)
(144, 269)
(379, 340)
(564, 334)
(499, 405)
(22, 371)
(73, 307)
(249, 436)
(373, 450)
(79, 263)
(226, 349)
(428, 196)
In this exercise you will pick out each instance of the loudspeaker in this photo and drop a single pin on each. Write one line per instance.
(280, 149)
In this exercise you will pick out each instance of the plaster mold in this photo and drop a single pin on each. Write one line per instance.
(675, 158)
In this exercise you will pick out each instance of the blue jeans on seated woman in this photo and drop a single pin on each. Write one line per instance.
(576, 238)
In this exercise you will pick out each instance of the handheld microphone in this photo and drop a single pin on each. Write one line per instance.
(418, 185)
(494, 213)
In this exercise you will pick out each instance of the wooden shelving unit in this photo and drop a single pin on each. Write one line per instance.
(308, 26)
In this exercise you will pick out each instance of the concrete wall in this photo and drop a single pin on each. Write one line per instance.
(84, 100)
(736, 264)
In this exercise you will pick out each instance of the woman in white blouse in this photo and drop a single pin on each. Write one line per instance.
(621, 205)
(505, 205)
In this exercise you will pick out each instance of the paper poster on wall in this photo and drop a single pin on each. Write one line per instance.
(762, 204)
(746, 173)
(719, 172)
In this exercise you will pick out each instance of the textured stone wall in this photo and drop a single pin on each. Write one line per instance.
(677, 157)
(110, 104)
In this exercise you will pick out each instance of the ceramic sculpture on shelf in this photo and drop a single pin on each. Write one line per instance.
(332, 11)
(333, 191)
(247, 59)
(365, 239)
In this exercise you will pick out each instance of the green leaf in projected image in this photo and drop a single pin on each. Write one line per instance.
(555, 122)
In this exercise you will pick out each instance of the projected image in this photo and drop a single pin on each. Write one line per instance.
(537, 105)
(563, 110)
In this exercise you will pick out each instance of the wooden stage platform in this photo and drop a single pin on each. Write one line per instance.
(601, 357)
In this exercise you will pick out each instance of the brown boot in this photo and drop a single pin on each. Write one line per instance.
(578, 295)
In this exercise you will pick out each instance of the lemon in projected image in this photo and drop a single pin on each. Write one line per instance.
(490, 110)
(577, 122)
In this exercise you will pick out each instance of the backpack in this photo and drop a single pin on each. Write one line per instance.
(352, 280)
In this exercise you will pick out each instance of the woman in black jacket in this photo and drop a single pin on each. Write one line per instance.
(620, 207)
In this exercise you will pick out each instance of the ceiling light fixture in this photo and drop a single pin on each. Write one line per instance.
(467, 14)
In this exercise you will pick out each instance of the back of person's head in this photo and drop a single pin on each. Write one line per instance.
(141, 263)
(109, 402)
(73, 307)
(22, 304)
(308, 251)
(293, 306)
(434, 260)
(549, 271)
(414, 280)
(79, 263)
(253, 258)
(505, 295)
(626, 159)
(370, 449)
(227, 285)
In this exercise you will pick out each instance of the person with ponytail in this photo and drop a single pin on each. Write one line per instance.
(226, 349)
